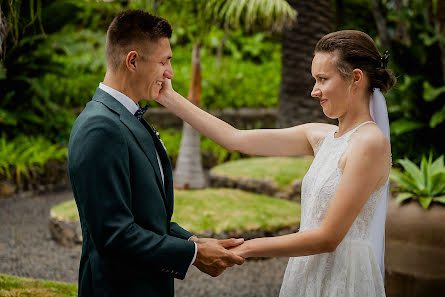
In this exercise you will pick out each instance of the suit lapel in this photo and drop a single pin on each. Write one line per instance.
(138, 130)
(166, 166)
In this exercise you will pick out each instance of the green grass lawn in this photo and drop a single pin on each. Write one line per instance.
(228, 209)
(281, 170)
(220, 210)
(20, 287)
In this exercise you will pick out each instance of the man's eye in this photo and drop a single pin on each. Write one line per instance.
(163, 63)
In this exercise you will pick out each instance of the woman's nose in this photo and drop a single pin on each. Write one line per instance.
(316, 92)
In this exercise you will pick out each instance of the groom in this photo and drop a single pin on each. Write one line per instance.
(122, 179)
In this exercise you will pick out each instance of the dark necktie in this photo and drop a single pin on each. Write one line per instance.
(140, 112)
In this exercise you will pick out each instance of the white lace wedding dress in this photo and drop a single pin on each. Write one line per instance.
(351, 270)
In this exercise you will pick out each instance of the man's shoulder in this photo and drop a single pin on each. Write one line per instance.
(96, 113)
(95, 120)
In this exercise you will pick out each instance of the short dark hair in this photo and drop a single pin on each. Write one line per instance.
(128, 29)
(357, 50)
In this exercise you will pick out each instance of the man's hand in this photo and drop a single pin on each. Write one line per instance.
(213, 257)
(194, 238)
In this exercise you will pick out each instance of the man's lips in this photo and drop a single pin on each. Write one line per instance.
(322, 101)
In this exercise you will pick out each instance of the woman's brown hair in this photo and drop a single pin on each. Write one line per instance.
(356, 50)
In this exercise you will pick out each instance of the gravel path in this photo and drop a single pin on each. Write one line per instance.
(26, 249)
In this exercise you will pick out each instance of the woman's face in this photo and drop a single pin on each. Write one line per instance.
(330, 88)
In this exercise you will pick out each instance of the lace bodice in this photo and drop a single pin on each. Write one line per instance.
(321, 181)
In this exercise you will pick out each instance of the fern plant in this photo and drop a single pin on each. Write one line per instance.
(23, 155)
(425, 183)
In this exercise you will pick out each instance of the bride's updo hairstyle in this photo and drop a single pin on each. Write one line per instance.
(356, 50)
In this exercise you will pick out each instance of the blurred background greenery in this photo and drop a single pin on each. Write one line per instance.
(52, 59)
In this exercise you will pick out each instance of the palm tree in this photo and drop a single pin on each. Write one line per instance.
(298, 42)
(271, 14)
(3, 31)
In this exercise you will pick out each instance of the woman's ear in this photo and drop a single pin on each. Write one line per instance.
(130, 61)
(357, 77)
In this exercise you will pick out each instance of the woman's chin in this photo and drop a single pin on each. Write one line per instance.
(329, 115)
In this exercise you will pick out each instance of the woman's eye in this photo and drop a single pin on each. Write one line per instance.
(163, 63)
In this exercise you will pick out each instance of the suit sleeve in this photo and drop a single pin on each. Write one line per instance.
(178, 231)
(100, 175)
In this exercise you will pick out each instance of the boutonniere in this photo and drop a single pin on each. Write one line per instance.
(159, 137)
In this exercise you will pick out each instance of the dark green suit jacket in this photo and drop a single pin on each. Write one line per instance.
(130, 246)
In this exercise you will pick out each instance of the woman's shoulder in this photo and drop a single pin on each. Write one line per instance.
(370, 136)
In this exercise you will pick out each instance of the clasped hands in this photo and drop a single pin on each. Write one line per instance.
(214, 256)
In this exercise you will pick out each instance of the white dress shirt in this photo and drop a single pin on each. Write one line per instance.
(132, 107)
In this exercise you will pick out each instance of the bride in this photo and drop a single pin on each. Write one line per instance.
(339, 248)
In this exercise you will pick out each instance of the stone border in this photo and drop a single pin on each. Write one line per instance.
(65, 232)
(260, 186)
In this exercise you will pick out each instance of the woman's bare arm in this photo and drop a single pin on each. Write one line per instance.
(292, 141)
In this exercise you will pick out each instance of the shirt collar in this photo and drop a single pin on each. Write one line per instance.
(129, 104)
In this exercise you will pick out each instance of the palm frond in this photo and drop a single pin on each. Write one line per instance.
(268, 14)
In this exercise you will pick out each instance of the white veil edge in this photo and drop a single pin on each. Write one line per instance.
(379, 113)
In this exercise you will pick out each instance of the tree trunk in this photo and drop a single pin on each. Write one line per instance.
(380, 22)
(440, 28)
(298, 43)
(189, 173)
(401, 28)
(3, 32)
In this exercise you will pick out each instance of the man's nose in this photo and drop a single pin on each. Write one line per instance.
(169, 73)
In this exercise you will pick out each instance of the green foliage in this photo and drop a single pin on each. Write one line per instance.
(24, 155)
(211, 152)
(232, 83)
(425, 183)
(417, 103)
(82, 52)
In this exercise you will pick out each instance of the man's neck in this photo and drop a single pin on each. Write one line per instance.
(120, 84)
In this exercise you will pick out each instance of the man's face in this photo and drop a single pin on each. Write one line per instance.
(153, 69)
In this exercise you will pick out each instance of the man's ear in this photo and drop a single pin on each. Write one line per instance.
(130, 61)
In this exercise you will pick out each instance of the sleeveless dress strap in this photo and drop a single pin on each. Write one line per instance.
(348, 134)
(362, 124)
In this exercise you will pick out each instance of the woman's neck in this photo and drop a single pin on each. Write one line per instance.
(354, 116)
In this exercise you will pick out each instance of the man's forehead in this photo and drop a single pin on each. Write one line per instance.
(159, 48)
